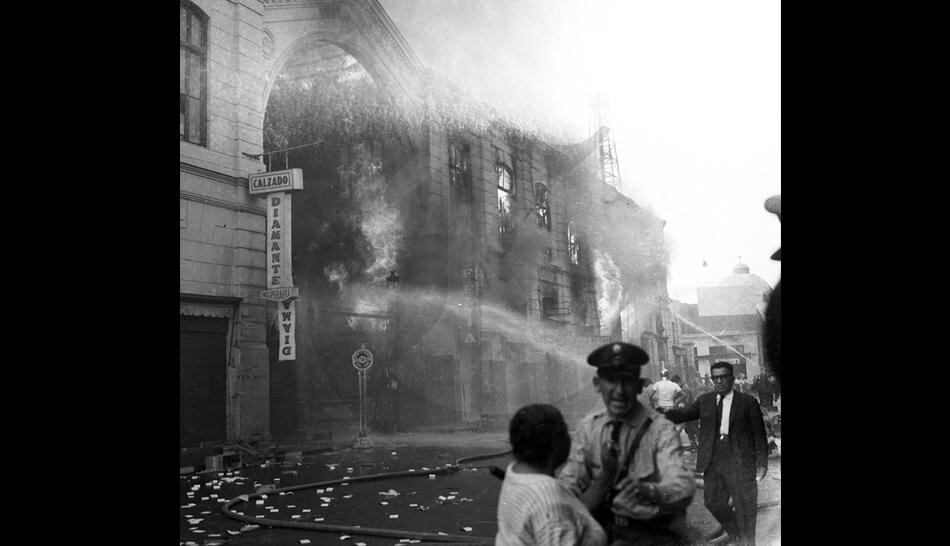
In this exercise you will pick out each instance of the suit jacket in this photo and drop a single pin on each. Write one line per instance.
(746, 430)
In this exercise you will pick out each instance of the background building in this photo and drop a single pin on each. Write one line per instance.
(726, 322)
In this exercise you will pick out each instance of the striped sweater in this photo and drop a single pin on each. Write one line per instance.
(538, 509)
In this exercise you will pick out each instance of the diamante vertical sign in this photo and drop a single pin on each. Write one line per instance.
(279, 272)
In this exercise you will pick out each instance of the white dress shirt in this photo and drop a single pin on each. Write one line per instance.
(726, 408)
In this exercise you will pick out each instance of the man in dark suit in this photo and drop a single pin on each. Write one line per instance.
(733, 452)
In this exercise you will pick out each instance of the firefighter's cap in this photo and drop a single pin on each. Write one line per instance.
(618, 358)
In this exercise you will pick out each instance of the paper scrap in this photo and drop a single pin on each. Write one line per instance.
(467, 529)
(326, 499)
(317, 519)
(393, 516)
(344, 537)
(348, 496)
(195, 521)
(305, 541)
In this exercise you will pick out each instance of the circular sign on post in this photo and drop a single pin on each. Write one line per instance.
(362, 358)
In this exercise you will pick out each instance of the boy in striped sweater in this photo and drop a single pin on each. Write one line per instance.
(534, 507)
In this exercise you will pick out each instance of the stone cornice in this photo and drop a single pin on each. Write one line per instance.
(214, 175)
(190, 196)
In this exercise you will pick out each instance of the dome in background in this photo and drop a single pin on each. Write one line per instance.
(742, 277)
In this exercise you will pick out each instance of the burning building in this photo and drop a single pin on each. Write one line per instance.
(479, 260)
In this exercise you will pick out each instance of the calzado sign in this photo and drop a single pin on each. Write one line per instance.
(291, 179)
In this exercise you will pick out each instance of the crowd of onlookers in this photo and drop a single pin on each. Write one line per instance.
(764, 388)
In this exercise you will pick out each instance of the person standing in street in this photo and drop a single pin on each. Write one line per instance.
(534, 507)
(691, 427)
(626, 464)
(733, 452)
(667, 393)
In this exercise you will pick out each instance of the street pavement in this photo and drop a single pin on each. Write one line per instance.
(462, 503)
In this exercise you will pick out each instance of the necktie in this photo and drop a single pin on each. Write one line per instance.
(719, 415)
(615, 434)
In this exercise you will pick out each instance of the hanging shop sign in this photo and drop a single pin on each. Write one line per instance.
(290, 179)
(279, 274)
(275, 188)
(286, 320)
(280, 294)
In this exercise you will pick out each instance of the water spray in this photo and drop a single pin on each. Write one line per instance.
(730, 347)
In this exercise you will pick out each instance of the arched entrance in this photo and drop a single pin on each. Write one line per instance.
(350, 134)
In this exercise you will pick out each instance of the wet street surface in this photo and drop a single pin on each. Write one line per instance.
(461, 503)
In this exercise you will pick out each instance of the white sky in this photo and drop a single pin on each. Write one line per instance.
(695, 96)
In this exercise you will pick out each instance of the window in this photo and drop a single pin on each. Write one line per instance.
(542, 206)
(572, 248)
(193, 59)
(460, 171)
(505, 191)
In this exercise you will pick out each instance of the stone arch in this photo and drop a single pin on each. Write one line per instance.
(361, 28)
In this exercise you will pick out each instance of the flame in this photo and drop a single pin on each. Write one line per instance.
(380, 222)
(336, 273)
(609, 289)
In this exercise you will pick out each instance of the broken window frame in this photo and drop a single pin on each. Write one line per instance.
(573, 248)
(542, 205)
(193, 65)
(506, 194)
(460, 170)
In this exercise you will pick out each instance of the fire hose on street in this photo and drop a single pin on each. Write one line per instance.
(229, 512)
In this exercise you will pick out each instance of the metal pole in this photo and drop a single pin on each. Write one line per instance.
(361, 375)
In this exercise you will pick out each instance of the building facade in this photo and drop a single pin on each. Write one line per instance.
(726, 323)
(478, 261)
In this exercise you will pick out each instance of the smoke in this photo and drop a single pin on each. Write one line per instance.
(609, 289)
